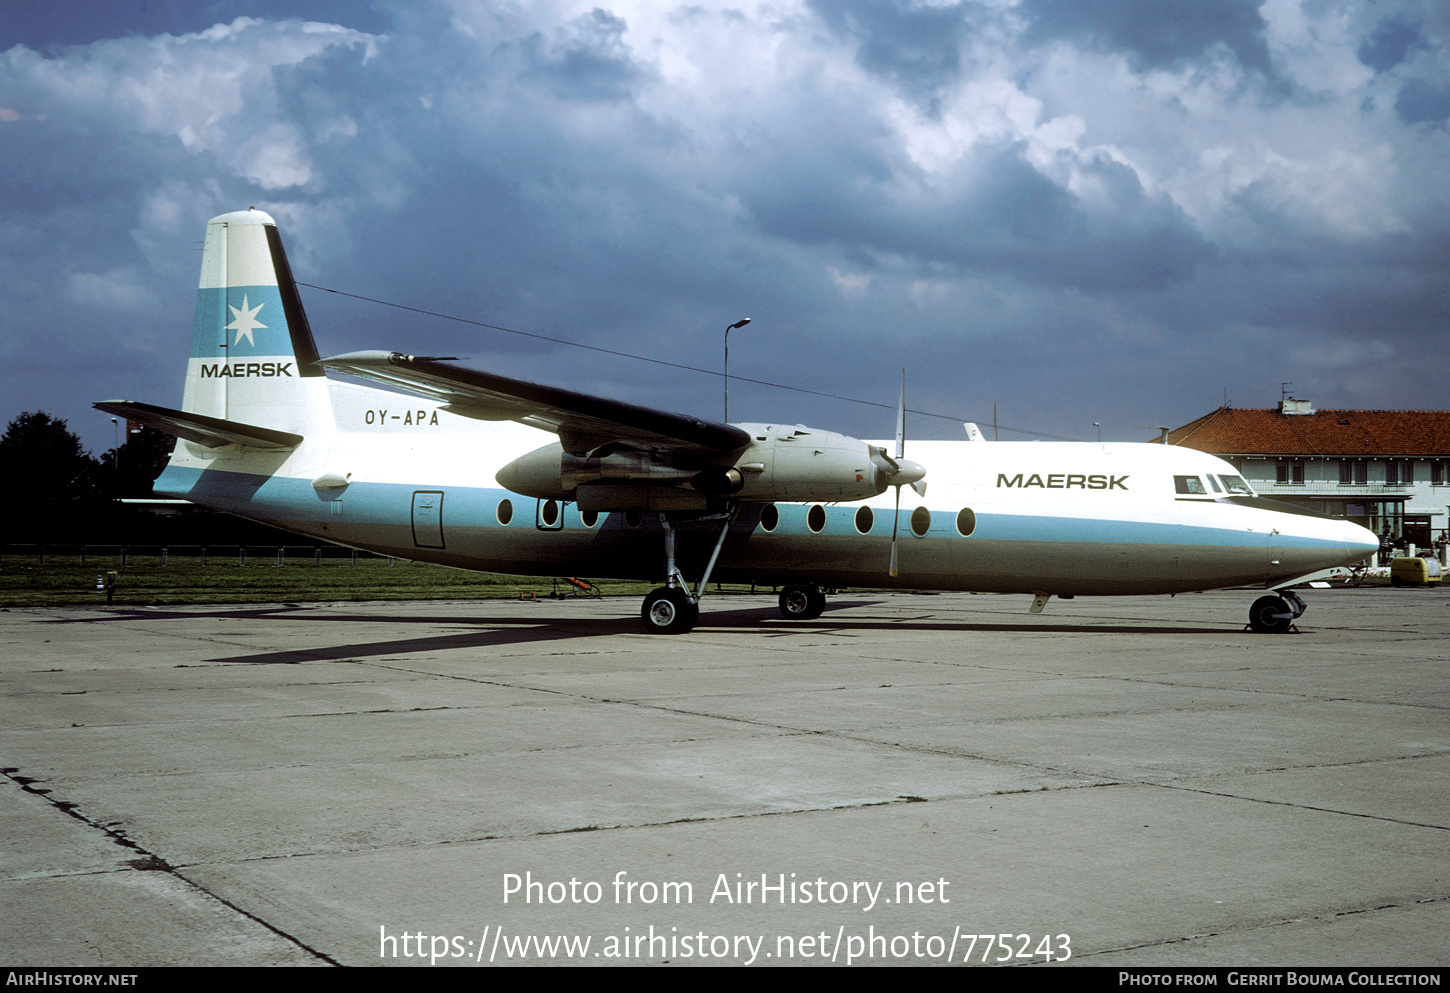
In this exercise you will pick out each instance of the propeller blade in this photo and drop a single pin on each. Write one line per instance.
(895, 525)
(902, 471)
(883, 462)
(901, 421)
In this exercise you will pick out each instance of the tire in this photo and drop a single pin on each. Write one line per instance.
(1262, 619)
(802, 603)
(668, 610)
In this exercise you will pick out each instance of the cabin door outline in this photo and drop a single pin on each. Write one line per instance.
(428, 518)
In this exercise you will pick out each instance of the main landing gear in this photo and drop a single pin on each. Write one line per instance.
(1275, 614)
(673, 609)
(669, 610)
(802, 603)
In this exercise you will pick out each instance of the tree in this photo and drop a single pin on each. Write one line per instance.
(131, 469)
(43, 463)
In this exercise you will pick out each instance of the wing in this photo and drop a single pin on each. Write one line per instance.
(586, 425)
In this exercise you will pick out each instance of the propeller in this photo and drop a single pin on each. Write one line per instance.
(899, 472)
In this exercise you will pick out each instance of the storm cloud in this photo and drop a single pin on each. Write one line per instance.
(1084, 211)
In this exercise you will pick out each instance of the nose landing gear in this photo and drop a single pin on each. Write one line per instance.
(1275, 614)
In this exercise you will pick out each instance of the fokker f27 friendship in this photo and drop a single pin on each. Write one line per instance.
(485, 472)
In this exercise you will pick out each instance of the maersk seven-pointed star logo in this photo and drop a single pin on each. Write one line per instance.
(246, 321)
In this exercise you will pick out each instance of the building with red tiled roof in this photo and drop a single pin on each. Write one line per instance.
(1385, 469)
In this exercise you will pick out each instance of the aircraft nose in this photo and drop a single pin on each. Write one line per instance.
(1324, 542)
(1361, 539)
(1355, 543)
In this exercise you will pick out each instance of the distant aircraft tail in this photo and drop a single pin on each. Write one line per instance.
(253, 360)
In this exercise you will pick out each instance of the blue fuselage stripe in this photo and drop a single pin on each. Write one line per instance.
(297, 502)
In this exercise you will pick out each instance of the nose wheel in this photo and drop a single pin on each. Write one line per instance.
(1275, 614)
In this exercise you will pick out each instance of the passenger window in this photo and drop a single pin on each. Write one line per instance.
(1189, 484)
(920, 522)
(769, 517)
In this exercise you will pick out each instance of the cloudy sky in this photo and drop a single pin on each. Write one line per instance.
(1118, 211)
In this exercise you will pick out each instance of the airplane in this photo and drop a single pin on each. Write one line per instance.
(480, 471)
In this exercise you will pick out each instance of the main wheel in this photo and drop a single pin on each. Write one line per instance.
(1263, 615)
(801, 603)
(668, 610)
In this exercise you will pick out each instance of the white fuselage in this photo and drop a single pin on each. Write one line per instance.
(404, 476)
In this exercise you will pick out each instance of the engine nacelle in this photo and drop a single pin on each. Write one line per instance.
(800, 464)
(781, 463)
(550, 473)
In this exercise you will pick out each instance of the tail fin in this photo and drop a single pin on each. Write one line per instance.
(253, 359)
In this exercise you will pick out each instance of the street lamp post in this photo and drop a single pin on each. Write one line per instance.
(116, 447)
(737, 324)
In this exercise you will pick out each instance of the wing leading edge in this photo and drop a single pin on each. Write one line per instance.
(587, 426)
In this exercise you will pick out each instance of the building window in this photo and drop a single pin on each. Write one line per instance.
(1437, 473)
(1399, 473)
(1361, 473)
(1346, 473)
(1291, 473)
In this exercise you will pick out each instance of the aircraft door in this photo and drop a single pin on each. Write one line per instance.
(428, 518)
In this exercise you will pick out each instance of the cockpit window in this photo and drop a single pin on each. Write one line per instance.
(1213, 483)
(1189, 484)
(1236, 486)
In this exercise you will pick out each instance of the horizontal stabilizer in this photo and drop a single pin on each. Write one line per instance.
(585, 424)
(213, 432)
